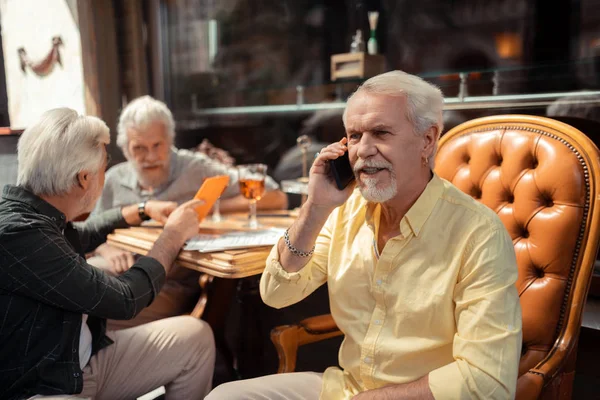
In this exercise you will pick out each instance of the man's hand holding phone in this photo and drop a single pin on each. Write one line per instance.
(322, 187)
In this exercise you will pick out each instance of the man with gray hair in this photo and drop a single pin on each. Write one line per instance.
(420, 275)
(54, 304)
(157, 170)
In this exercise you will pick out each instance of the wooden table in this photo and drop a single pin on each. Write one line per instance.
(223, 264)
(220, 271)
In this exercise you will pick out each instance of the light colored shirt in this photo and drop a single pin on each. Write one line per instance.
(187, 171)
(85, 342)
(439, 300)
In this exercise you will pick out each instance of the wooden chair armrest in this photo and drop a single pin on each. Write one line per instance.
(287, 338)
(551, 378)
(560, 362)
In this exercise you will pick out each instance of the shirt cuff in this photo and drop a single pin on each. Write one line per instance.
(447, 382)
(280, 275)
(154, 271)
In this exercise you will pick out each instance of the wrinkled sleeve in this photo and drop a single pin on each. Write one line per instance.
(54, 274)
(94, 230)
(487, 344)
(279, 288)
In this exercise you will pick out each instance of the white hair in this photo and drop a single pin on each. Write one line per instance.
(57, 147)
(425, 101)
(140, 113)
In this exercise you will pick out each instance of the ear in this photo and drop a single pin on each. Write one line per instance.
(84, 179)
(430, 139)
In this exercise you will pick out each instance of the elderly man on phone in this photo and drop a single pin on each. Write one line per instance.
(420, 275)
(54, 305)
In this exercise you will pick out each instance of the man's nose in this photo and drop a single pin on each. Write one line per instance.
(152, 155)
(366, 148)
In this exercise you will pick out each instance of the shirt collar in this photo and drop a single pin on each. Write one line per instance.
(129, 179)
(22, 195)
(419, 212)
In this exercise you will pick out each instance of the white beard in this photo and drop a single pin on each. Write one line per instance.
(368, 186)
(147, 180)
(371, 193)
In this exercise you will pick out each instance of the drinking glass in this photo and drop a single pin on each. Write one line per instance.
(252, 187)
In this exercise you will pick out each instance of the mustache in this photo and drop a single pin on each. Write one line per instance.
(151, 165)
(360, 164)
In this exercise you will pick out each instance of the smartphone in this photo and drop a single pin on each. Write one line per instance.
(210, 191)
(341, 171)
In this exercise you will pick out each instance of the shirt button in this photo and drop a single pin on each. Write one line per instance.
(379, 282)
(76, 374)
(367, 360)
(377, 322)
(74, 350)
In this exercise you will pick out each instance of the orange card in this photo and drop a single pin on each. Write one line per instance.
(210, 191)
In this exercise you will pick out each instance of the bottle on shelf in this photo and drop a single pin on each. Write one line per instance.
(372, 46)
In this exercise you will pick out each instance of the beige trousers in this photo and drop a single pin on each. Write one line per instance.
(178, 353)
(293, 386)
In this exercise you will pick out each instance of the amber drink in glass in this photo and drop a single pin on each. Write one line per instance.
(252, 186)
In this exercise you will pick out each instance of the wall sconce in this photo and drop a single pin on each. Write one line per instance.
(508, 45)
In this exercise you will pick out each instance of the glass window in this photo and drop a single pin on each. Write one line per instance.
(253, 75)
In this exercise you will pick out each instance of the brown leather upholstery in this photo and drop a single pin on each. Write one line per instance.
(541, 176)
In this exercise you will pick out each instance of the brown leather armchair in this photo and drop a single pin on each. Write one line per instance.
(542, 178)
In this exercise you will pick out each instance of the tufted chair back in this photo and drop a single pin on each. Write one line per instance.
(542, 178)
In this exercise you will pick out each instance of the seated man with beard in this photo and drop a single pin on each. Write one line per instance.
(156, 170)
(54, 304)
(421, 276)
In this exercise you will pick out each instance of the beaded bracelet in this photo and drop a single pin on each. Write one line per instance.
(292, 249)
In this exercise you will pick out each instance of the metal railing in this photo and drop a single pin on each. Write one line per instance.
(460, 102)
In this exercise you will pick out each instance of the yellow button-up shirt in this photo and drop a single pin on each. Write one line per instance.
(439, 299)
